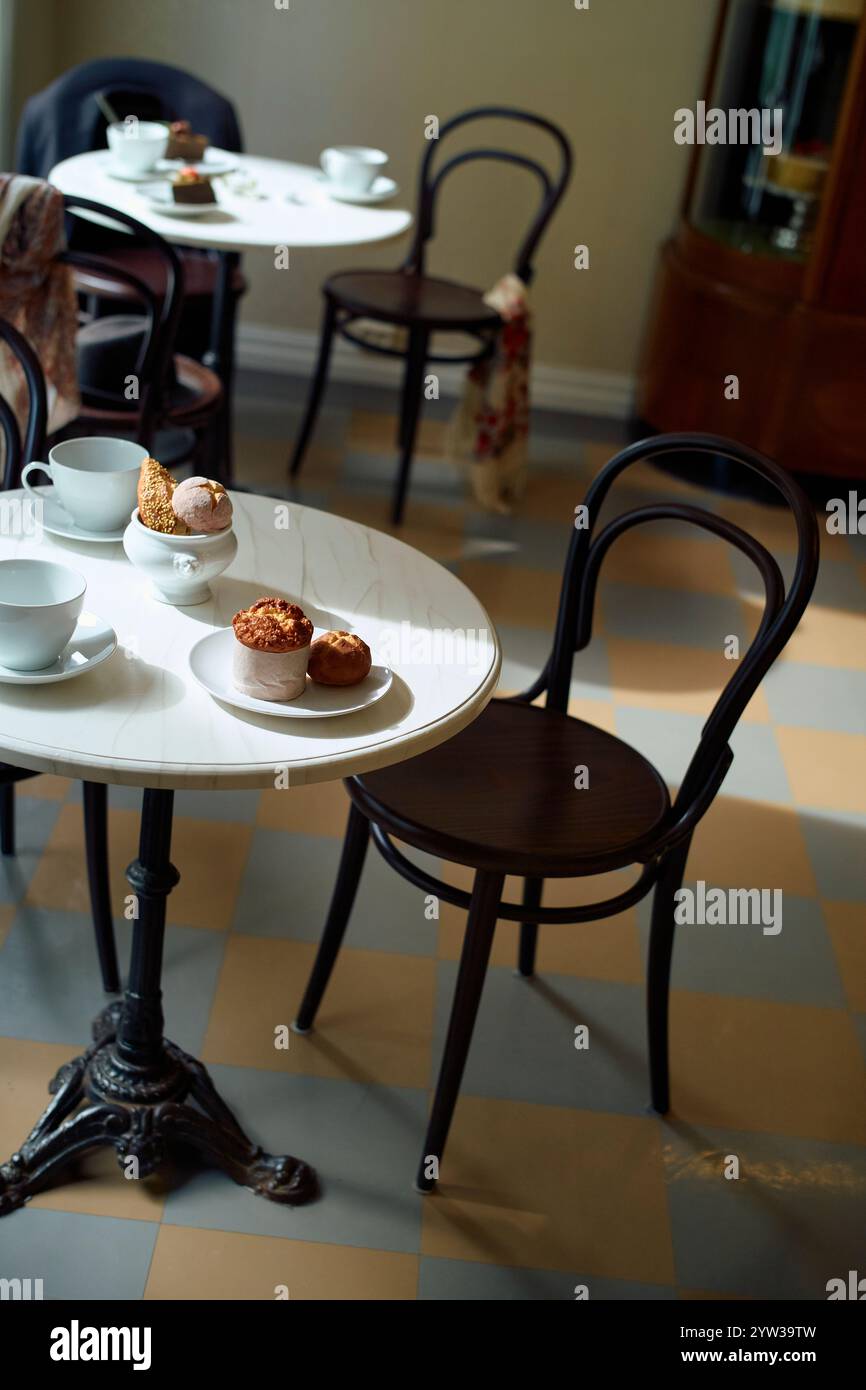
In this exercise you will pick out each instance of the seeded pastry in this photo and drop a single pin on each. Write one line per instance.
(155, 490)
(272, 649)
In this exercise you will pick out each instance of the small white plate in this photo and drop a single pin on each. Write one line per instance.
(159, 198)
(383, 188)
(215, 162)
(91, 643)
(59, 523)
(211, 664)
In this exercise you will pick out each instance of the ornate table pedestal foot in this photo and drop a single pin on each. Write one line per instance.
(133, 1089)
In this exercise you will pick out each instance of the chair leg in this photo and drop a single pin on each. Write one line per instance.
(529, 930)
(483, 910)
(659, 972)
(96, 841)
(7, 819)
(348, 877)
(410, 411)
(317, 387)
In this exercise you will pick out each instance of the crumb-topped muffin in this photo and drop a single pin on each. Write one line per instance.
(272, 649)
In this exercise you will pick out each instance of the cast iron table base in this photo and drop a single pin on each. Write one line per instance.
(135, 1090)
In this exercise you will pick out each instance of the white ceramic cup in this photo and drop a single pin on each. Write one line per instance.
(353, 168)
(137, 145)
(39, 607)
(95, 479)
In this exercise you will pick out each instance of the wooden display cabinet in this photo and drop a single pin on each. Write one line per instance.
(765, 278)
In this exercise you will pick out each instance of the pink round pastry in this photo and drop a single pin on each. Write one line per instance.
(202, 504)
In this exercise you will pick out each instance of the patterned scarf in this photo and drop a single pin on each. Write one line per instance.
(37, 296)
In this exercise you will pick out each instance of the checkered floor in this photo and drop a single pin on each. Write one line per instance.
(556, 1175)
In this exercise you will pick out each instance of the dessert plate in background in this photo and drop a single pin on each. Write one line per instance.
(160, 199)
(215, 162)
(91, 643)
(211, 664)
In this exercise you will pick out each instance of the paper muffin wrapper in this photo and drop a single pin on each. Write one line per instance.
(270, 675)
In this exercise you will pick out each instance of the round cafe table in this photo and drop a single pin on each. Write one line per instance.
(140, 719)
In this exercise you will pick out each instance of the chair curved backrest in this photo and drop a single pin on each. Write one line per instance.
(782, 610)
(552, 184)
(163, 312)
(64, 119)
(18, 452)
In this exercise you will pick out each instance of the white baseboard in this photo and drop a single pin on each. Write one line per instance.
(292, 352)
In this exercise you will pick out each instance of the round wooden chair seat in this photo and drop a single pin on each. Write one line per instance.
(501, 796)
(398, 296)
(199, 274)
(194, 395)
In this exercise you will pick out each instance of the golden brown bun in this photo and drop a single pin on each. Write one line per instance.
(339, 658)
(155, 491)
(273, 625)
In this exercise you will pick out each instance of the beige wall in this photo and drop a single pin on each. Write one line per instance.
(370, 70)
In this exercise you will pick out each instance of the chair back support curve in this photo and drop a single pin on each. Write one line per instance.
(18, 452)
(163, 312)
(429, 183)
(781, 614)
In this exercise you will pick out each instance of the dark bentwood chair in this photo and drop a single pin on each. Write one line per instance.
(175, 391)
(500, 797)
(419, 303)
(95, 794)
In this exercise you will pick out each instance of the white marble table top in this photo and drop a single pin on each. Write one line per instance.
(140, 719)
(290, 207)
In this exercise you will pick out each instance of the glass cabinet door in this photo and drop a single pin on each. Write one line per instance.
(788, 54)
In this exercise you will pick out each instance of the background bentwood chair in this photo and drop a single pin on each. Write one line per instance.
(95, 794)
(500, 796)
(175, 391)
(421, 304)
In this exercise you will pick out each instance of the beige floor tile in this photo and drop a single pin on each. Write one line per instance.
(752, 1064)
(374, 1025)
(670, 562)
(194, 1264)
(95, 1185)
(829, 637)
(7, 913)
(320, 809)
(671, 676)
(546, 1187)
(512, 594)
(203, 898)
(751, 844)
(45, 785)
(552, 496)
(605, 950)
(826, 769)
(846, 923)
(373, 431)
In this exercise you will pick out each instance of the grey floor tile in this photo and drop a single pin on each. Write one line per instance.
(77, 1257)
(797, 966)
(520, 540)
(526, 649)
(34, 821)
(793, 1219)
(836, 842)
(817, 697)
(363, 1141)
(523, 1044)
(669, 740)
(465, 1281)
(49, 978)
(671, 615)
(388, 914)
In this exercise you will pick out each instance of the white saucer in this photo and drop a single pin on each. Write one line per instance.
(159, 198)
(211, 664)
(215, 162)
(383, 188)
(59, 523)
(91, 643)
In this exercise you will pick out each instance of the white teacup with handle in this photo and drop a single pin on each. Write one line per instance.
(40, 602)
(353, 168)
(95, 480)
